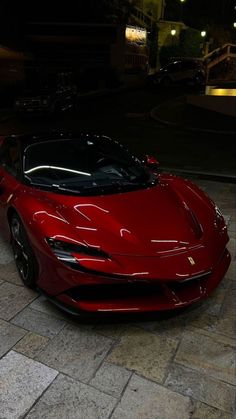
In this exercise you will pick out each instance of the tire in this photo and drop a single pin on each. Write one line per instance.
(23, 254)
(199, 80)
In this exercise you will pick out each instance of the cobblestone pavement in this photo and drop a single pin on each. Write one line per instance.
(177, 367)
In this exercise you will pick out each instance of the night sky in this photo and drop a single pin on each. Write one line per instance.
(194, 11)
(202, 12)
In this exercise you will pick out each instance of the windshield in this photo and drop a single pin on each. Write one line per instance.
(85, 166)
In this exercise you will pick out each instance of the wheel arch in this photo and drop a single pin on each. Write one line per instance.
(10, 212)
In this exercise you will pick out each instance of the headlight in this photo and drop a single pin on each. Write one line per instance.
(219, 219)
(66, 252)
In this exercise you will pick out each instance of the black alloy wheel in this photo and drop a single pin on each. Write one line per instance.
(24, 257)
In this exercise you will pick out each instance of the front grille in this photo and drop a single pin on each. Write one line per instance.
(179, 286)
(114, 291)
(137, 289)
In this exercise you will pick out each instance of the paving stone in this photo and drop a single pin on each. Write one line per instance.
(150, 326)
(112, 331)
(43, 305)
(229, 307)
(144, 399)
(13, 299)
(232, 227)
(172, 327)
(206, 354)
(22, 381)
(67, 398)
(231, 273)
(9, 335)
(221, 339)
(201, 387)
(6, 254)
(203, 411)
(202, 308)
(9, 273)
(76, 351)
(31, 344)
(111, 379)
(232, 247)
(38, 322)
(144, 352)
(224, 325)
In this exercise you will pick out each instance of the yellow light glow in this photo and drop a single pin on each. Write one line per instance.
(212, 91)
(138, 35)
(203, 34)
(173, 32)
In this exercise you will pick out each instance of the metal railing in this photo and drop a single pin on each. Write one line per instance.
(219, 55)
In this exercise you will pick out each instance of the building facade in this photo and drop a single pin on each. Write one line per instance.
(152, 8)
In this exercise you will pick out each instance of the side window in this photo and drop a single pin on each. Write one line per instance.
(190, 65)
(10, 156)
(185, 66)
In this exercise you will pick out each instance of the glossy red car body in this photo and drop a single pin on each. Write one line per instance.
(165, 245)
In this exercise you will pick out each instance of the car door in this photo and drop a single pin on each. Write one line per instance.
(10, 172)
(174, 71)
(188, 70)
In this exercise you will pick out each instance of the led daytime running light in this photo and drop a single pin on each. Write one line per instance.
(60, 246)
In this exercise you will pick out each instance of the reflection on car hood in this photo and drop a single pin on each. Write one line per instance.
(145, 222)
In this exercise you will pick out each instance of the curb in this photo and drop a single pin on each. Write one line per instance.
(182, 127)
(216, 177)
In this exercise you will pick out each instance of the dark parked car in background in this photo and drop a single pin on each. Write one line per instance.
(48, 96)
(180, 71)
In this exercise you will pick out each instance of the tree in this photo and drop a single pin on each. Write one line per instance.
(190, 43)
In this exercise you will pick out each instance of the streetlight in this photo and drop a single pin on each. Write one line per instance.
(234, 25)
(173, 33)
(205, 43)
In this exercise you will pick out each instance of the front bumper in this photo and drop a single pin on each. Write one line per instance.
(141, 295)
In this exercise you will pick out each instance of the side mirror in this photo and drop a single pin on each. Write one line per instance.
(151, 162)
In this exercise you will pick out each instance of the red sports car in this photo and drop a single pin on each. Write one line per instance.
(98, 231)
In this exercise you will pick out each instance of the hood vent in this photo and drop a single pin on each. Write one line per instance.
(196, 226)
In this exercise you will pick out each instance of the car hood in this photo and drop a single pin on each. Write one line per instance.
(145, 222)
(166, 231)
